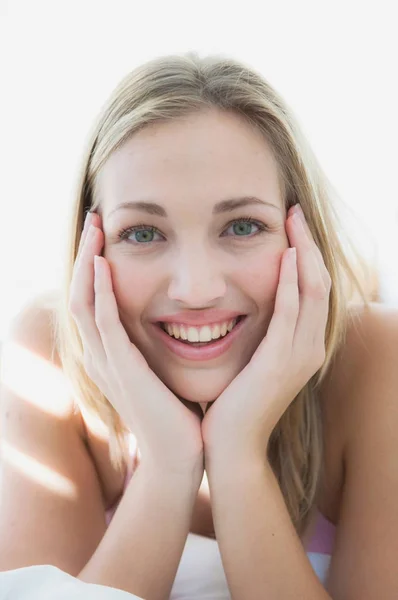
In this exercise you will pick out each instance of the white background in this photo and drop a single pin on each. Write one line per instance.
(335, 63)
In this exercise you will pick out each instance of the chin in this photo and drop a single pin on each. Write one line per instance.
(199, 398)
(196, 388)
(196, 384)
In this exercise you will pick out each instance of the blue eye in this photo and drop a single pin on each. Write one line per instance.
(244, 224)
(141, 230)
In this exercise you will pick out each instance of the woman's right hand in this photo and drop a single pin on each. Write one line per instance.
(168, 433)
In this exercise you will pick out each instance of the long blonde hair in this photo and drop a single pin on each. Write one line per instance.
(165, 89)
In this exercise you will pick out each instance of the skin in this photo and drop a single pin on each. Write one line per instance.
(196, 260)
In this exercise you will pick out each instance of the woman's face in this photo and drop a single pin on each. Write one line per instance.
(196, 259)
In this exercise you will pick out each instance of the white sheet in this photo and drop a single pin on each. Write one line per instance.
(46, 582)
(200, 576)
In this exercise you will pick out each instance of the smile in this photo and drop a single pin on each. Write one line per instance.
(200, 335)
(220, 339)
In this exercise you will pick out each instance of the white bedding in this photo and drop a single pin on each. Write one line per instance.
(200, 575)
(202, 579)
(46, 582)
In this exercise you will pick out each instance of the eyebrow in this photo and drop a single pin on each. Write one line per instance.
(229, 205)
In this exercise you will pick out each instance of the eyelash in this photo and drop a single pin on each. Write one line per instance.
(123, 234)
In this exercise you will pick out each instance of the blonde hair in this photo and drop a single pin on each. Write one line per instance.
(170, 87)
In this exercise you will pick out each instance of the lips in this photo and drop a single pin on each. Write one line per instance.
(200, 351)
(198, 318)
(163, 326)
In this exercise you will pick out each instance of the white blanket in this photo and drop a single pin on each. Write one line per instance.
(200, 576)
(46, 582)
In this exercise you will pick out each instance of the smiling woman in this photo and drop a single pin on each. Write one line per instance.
(212, 322)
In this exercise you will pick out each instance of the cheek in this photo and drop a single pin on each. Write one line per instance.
(260, 277)
(132, 285)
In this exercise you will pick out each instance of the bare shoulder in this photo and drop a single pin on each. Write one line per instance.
(45, 465)
(33, 336)
(373, 390)
(369, 351)
(361, 412)
(371, 330)
(351, 395)
(32, 323)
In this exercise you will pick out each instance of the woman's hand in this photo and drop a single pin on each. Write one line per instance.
(168, 433)
(242, 418)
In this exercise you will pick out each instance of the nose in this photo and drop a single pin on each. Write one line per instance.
(197, 280)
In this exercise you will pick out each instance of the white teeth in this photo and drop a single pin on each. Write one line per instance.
(216, 331)
(202, 334)
(193, 334)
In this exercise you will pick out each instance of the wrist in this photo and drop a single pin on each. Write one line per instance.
(187, 474)
(227, 459)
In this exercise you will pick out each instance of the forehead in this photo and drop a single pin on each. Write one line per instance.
(196, 160)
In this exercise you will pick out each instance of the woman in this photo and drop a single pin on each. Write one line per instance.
(202, 213)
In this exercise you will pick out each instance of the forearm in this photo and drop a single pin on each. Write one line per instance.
(262, 555)
(143, 544)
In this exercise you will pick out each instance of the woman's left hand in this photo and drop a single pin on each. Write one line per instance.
(242, 418)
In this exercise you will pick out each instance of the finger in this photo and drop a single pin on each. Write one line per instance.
(280, 334)
(113, 335)
(314, 295)
(87, 222)
(82, 297)
(296, 209)
(310, 272)
(94, 219)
